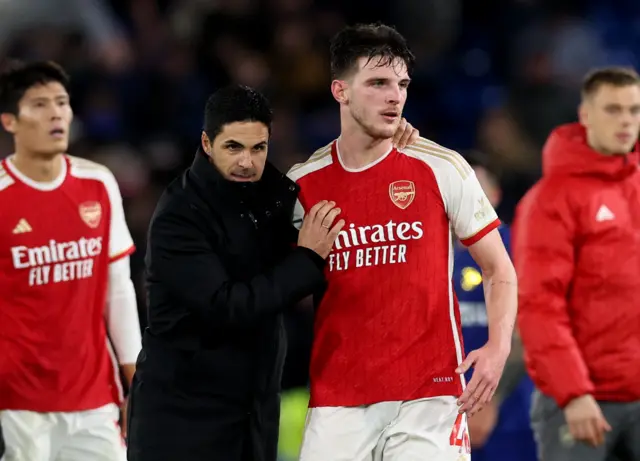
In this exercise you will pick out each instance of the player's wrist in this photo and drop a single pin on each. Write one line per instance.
(500, 343)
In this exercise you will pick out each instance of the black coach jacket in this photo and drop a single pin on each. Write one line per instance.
(221, 269)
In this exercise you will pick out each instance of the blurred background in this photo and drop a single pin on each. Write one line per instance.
(493, 76)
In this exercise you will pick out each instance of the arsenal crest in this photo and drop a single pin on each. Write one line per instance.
(91, 213)
(402, 193)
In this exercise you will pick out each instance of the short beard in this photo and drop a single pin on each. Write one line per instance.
(370, 131)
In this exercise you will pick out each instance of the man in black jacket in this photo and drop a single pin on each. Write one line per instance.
(222, 266)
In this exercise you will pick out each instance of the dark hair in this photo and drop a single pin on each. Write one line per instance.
(19, 77)
(368, 41)
(616, 76)
(235, 103)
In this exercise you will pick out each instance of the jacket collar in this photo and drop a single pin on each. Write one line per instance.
(273, 184)
(567, 152)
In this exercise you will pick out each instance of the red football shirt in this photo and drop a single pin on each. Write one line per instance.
(388, 325)
(56, 242)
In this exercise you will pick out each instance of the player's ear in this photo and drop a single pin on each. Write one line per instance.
(339, 91)
(8, 122)
(583, 113)
(206, 143)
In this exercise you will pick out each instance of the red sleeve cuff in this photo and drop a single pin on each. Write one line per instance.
(122, 254)
(481, 233)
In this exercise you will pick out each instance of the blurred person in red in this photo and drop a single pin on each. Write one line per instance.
(65, 279)
(576, 246)
(387, 365)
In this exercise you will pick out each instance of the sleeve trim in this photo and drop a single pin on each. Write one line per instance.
(481, 233)
(122, 254)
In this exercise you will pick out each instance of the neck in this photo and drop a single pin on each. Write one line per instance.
(357, 148)
(37, 167)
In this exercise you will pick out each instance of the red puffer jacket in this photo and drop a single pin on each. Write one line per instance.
(576, 248)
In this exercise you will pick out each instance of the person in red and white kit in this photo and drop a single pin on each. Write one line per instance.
(387, 363)
(65, 283)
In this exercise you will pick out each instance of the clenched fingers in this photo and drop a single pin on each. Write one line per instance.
(397, 136)
(585, 431)
(591, 431)
(408, 136)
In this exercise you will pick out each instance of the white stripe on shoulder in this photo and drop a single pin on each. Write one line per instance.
(320, 159)
(5, 178)
(5, 182)
(86, 169)
(438, 157)
(82, 164)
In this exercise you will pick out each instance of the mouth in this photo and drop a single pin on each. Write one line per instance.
(624, 137)
(390, 116)
(57, 133)
(241, 178)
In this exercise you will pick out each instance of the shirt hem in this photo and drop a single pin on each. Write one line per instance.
(123, 254)
(481, 233)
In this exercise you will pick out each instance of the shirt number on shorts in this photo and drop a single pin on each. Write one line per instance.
(460, 436)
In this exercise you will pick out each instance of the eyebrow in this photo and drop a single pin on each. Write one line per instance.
(238, 143)
(386, 79)
(47, 98)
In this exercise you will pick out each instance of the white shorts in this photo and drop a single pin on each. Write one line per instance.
(426, 429)
(92, 435)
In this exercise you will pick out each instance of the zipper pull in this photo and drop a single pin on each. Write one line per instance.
(253, 219)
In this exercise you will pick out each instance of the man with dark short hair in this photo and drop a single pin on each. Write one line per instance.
(223, 264)
(577, 253)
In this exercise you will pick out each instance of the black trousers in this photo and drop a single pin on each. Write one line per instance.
(167, 426)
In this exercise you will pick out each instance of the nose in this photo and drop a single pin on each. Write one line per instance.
(628, 118)
(394, 95)
(57, 111)
(245, 160)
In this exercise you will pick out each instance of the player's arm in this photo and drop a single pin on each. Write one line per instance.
(514, 370)
(543, 251)
(195, 276)
(122, 319)
(500, 288)
(476, 224)
(123, 324)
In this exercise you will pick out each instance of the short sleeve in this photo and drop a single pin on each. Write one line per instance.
(120, 241)
(471, 214)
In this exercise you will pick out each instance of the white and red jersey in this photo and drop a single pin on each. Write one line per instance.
(56, 242)
(388, 325)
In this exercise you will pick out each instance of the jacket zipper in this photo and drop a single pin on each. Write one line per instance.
(253, 219)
